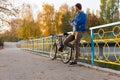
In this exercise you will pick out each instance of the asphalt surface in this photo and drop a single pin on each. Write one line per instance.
(17, 64)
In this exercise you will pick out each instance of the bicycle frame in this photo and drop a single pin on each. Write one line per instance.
(65, 55)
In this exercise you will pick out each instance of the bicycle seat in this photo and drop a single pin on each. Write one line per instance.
(65, 34)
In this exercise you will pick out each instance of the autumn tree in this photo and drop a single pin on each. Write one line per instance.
(66, 14)
(29, 28)
(57, 22)
(92, 19)
(48, 19)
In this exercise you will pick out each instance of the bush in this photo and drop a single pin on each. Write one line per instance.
(1, 42)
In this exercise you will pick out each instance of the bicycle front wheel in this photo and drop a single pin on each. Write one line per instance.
(66, 55)
(53, 52)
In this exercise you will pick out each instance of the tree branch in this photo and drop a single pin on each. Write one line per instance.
(4, 20)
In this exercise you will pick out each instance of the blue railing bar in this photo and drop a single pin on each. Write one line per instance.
(92, 47)
(42, 45)
(37, 45)
(106, 25)
(32, 45)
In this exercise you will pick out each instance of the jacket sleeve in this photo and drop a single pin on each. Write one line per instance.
(79, 19)
(72, 23)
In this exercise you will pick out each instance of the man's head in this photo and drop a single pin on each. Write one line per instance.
(78, 7)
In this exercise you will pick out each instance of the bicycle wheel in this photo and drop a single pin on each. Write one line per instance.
(53, 52)
(66, 55)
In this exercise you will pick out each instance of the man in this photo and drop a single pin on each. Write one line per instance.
(78, 24)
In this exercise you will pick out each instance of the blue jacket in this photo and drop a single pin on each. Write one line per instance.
(79, 22)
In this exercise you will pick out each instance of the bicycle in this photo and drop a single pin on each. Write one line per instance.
(65, 55)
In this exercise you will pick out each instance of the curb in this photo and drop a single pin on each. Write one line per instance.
(100, 68)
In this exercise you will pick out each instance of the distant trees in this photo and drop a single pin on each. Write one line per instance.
(49, 21)
(65, 26)
(29, 28)
(7, 10)
(92, 19)
(65, 18)
(109, 11)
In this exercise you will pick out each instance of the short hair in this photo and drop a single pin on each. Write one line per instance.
(79, 6)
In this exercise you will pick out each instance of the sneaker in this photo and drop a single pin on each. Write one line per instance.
(61, 48)
(72, 63)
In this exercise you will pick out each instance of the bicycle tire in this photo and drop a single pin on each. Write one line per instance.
(66, 57)
(53, 52)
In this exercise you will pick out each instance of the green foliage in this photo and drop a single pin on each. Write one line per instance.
(1, 42)
(65, 26)
(109, 9)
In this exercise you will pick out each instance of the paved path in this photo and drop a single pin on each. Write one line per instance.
(16, 64)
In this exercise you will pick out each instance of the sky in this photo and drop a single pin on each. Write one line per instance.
(92, 4)
(36, 5)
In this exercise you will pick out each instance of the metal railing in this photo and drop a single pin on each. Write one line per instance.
(102, 46)
(106, 43)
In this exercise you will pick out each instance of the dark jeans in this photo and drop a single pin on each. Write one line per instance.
(77, 37)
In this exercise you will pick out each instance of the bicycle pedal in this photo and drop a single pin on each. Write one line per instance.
(60, 52)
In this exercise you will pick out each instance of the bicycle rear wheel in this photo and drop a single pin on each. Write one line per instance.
(53, 52)
(66, 55)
